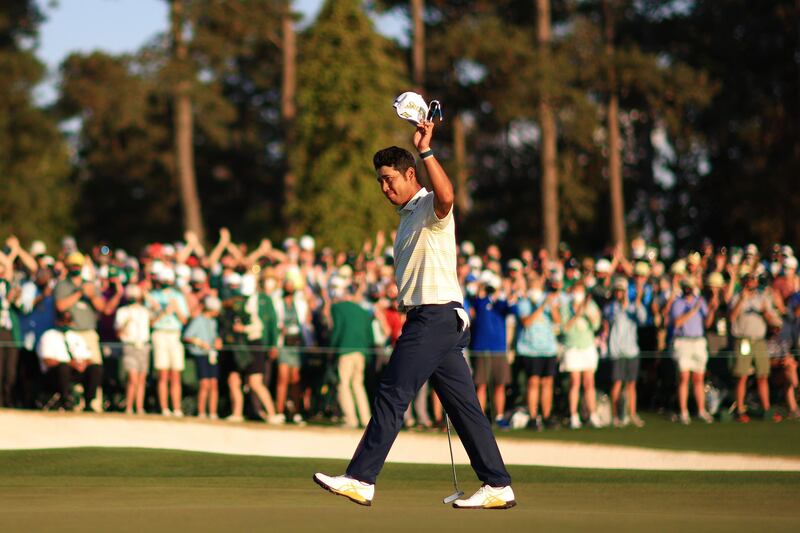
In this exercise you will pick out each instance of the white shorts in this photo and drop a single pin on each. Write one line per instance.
(580, 359)
(168, 351)
(691, 354)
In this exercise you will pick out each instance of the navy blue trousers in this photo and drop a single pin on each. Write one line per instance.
(430, 347)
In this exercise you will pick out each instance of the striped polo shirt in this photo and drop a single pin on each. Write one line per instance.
(425, 254)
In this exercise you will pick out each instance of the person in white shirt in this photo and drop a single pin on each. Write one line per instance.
(434, 336)
(132, 323)
(65, 358)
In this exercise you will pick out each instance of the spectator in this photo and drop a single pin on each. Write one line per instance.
(790, 341)
(170, 314)
(9, 325)
(65, 358)
(716, 323)
(539, 316)
(81, 298)
(245, 358)
(39, 314)
(751, 313)
(353, 338)
(204, 343)
(294, 313)
(489, 309)
(132, 323)
(580, 319)
(687, 318)
(621, 320)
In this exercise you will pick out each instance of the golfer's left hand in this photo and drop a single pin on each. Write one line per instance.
(423, 135)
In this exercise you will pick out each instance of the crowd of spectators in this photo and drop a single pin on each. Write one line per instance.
(291, 333)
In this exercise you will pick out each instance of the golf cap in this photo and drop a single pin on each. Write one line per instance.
(38, 248)
(166, 275)
(75, 258)
(787, 251)
(694, 258)
(751, 249)
(232, 279)
(183, 271)
(198, 275)
(475, 262)
(515, 264)
(411, 106)
(603, 266)
(678, 267)
(467, 248)
(307, 243)
(790, 263)
(715, 280)
(133, 292)
(641, 269)
(345, 271)
(212, 303)
(620, 284)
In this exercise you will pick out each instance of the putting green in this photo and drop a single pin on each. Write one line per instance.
(155, 491)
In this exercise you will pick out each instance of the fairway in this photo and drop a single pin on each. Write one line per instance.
(134, 490)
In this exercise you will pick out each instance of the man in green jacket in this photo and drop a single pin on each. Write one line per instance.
(352, 337)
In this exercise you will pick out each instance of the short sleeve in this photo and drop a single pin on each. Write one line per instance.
(434, 221)
(62, 290)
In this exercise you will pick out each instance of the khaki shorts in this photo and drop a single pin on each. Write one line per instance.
(580, 360)
(491, 367)
(136, 358)
(168, 351)
(691, 354)
(92, 341)
(757, 356)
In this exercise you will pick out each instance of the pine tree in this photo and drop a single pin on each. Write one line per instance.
(34, 165)
(348, 77)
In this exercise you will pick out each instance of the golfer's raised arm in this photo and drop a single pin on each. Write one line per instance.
(442, 187)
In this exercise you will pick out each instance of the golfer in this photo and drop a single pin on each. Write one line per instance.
(433, 338)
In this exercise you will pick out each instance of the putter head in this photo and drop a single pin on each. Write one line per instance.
(453, 497)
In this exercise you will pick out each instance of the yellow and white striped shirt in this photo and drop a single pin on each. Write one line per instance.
(425, 254)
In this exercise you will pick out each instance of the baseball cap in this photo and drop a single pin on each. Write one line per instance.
(411, 106)
(232, 278)
(198, 275)
(790, 263)
(641, 269)
(678, 267)
(166, 275)
(603, 266)
(467, 248)
(621, 284)
(307, 243)
(787, 251)
(715, 280)
(75, 258)
(694, 258)
(38, 248)
(212, 303)
(345, 271)
(751, 249)
(514, 264)
(133, 292)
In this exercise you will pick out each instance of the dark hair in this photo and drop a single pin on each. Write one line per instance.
(395, 157)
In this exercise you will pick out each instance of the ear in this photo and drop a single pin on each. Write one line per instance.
(410, 174)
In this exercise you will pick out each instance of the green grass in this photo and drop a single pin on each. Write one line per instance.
(757, 437)
(155, 490)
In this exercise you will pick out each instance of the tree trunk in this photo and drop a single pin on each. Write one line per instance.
(547, 125)
(463, 202)
(418, 52)
(614, 157)
(288, 111)
(184, 128)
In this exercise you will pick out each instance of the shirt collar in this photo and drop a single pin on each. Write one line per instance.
(412, 204)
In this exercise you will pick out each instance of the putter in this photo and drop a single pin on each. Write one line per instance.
(458, 493)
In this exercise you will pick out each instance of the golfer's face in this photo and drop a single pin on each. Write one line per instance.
(395, 186)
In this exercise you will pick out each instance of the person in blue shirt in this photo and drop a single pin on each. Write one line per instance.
(538, 317)
(203, 342)
(621, 318)
(489, 309)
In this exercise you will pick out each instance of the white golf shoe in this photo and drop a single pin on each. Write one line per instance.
(352, 489)
(488, 498)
